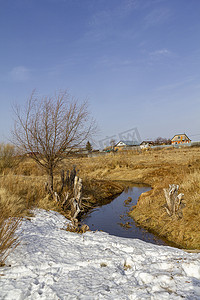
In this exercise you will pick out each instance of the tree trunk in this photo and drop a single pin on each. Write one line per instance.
(50, 180)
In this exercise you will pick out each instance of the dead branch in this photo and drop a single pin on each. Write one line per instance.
(65, 202)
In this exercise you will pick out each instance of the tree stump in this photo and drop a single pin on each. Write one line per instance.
(70, 180)
(76, 201)
(173, 199)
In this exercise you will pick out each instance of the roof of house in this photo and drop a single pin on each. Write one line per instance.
(182, 134)
(128, 143)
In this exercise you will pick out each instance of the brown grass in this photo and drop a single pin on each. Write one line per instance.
(158, 168)
(30, 189)
(10, 220)
(6, 156)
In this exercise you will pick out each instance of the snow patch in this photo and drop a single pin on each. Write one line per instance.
(51, 263)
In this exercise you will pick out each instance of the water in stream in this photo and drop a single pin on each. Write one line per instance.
(113, 216)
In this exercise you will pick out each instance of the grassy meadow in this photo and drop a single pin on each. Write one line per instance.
(22, 186)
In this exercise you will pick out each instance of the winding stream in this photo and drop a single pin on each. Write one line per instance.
(113, 217)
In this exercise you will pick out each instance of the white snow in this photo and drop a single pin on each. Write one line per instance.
(51, 263)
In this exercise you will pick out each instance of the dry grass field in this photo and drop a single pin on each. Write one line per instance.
(105, 176)
(158, 168)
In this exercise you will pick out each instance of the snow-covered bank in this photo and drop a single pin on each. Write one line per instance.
(51, 263)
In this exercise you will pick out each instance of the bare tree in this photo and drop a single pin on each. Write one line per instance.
(162, 141)
(50, 128)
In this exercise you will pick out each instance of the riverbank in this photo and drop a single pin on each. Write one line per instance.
(158, 168)
(19, 193)
(114, 217)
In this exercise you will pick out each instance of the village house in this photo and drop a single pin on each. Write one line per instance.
(180, 139)
(121, 145)
(146, 144)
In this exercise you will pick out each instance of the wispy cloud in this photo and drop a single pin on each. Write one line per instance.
(104, 22)
(128, 7)
(157, 16)
(175, 85)
(160, 52)
(100, 18)
(114, 62)
(20, 73)
(109, 15)
(161, 56)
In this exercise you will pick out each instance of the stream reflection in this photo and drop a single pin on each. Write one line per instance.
(113, 217)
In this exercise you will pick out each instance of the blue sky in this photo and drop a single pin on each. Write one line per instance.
(136, 61)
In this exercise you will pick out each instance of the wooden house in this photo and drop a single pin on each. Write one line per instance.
(180, 139)
(121, 145)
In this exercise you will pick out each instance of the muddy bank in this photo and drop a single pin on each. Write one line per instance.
(101, 191)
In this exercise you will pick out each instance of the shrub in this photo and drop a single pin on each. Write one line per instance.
(8, 238)
(7, 156)
(9, 222)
